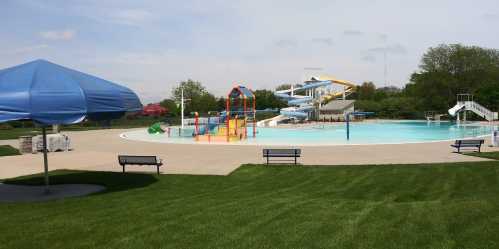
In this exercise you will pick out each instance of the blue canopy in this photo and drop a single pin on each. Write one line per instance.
(52, 94)
(238, 91)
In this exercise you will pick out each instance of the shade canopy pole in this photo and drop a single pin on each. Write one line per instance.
(348, 125)
(45, 159)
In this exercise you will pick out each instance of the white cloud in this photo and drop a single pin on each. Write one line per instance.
(131, 16)
(369, 58)
(328, 41)
(58, 34)
(390, 49)
(491, 17)
(351, 32)
(383, 37)
(286, 43)
(24, 50)
(145, 59)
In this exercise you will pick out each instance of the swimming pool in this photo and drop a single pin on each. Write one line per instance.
(371, 132)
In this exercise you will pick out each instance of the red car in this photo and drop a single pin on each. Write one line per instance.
(154, 110)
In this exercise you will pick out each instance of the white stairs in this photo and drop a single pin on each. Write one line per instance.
(480, 110)
(474, 107)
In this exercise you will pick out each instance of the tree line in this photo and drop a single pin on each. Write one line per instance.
(444, 72)
(198, 99)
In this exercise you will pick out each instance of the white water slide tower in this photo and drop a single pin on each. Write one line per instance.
(465, 103)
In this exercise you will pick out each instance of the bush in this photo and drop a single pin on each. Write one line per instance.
(6, 126)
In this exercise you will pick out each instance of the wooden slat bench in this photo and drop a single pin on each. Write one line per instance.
(140, 160)
(281, 153)
(468, 143)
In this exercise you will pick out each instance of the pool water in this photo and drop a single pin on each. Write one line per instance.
(379, 132)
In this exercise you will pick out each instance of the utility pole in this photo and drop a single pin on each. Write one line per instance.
(385, 73)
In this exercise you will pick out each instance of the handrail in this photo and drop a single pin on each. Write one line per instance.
(479, 109)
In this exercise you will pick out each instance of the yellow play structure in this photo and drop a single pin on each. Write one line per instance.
(234, 130)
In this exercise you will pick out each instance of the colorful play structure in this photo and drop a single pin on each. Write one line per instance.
(318, 91)
(232, 124)
(157, 128)
(227, 126)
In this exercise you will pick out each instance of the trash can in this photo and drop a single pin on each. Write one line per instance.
(25, 145)
(495, 138)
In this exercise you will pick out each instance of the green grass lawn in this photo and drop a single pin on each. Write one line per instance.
(398, 206)
(7, 150)
(491, 155)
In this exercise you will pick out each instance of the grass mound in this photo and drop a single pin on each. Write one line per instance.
(7, 150)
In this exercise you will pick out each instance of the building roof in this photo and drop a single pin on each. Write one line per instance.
(338, 105)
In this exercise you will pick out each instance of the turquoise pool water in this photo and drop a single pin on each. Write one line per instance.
(380, 132)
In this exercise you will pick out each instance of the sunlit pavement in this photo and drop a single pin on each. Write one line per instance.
(98, 150)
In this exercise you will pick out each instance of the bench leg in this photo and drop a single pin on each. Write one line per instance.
(123, 168)
(479, 147)
(157, 169)
(267, 160)
(295, 160)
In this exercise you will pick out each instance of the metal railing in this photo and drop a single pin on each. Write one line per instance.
(480, 110)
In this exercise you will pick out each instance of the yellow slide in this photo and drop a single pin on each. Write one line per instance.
(349, 87)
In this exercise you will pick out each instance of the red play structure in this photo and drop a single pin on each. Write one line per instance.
(240, 106)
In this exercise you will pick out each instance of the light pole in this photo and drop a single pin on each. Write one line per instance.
(181, 107)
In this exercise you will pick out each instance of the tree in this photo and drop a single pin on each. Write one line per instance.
(192, 89)
(171, 106)
(447, 70)
(366, 91)
(283, 87)
(198, 98)
(266, 99)
(221, 104)
(205, 103)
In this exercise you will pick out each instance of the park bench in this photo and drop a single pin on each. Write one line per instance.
(140, 160)
(281, 153)
(469, 143)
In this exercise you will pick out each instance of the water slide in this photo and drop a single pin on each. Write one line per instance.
(473, 106)
(349, 88)
(458, 107)
(301, 106)
(271, 121)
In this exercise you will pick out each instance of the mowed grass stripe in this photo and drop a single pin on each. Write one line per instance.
(384, 206)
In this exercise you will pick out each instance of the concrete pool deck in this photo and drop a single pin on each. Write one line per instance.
(98, 150)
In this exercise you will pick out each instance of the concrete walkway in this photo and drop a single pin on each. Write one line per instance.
(98, 150)
(14, 143)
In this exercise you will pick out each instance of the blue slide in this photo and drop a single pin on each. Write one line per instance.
(300, 105)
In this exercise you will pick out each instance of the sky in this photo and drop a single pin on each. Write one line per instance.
(150, 46)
